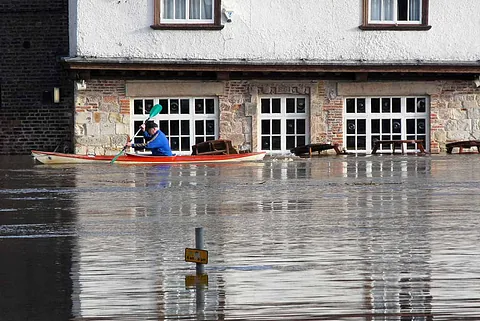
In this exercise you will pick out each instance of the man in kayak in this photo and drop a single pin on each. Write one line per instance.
(156, 141)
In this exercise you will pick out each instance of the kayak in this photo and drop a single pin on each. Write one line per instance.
(60, 158)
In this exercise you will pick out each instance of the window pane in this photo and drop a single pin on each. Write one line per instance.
(207, 9)
(265, 126)
(388, 10)
(361, 126)
(175, 143)
(351, 142)
(350, 126)
(410, 126)
(385, 105)
(402, 10)
(290, 105)
(185, 143)
(199, 106)
(148, 105)
(396, 105)
(168, 9)
(376, 126)
(414, 10)
(266, 142)
(174, 109)
(184, 106)
(375, 105)
(410, 105)
(276, 106)
(164, 103)
(301, 105)
(276, 143)
(199, 129)
(360, 105)
(290, 126)
(164, 127)
(301, 126)
(210, 106)
(194, 9)
(421, 126)
(185, 127)
(386, 126)
(350, 105)
(265, 106)
(290, 142)
(397, 126)
(361, 142)
(137, 124)
(138, 107)
(376, 10)
(276, 126)
(210, 130)
(180, 9)
(421, 105)
(301, 141)
(174, 127)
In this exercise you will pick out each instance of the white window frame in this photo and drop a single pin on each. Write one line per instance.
(283, 116)
(394, 14)
(166, 116)
(187, 19)
(403, 115)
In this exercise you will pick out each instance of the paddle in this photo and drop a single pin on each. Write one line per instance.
(156, 109)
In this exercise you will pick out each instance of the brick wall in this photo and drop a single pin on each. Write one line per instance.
(33, 36)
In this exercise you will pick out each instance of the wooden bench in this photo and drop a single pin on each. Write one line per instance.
(214, 147)
(463, 144)
(308, 150)
(394, 143)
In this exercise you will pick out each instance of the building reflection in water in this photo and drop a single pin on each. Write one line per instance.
(395, 235)
(36, 240)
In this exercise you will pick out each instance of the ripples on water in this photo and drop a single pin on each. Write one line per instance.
(329, 238)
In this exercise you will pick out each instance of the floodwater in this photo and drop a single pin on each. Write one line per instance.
(383, 237)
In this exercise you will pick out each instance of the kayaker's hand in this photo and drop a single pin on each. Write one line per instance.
(129, 144)
(142, 126)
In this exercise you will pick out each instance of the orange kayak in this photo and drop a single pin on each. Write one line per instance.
(60, 158)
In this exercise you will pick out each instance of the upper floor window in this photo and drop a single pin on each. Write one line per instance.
(187, 14)
(395, 15)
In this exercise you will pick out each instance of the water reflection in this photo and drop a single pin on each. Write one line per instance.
(330, 238)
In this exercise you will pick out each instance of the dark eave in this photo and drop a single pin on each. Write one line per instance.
(255, 69)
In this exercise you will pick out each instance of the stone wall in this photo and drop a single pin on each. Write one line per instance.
(34, 35)
(102, 117)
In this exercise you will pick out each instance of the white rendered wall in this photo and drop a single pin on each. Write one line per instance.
(277, 30)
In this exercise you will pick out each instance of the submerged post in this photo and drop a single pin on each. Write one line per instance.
(199, 244)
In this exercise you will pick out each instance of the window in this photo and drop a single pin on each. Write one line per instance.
(384, 118)
(187, 14)
(395, 15)
(185, 121)
(283, 123)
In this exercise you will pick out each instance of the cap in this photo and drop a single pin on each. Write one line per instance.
(150, 124)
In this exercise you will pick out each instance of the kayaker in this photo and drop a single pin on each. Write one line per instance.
(156, 141)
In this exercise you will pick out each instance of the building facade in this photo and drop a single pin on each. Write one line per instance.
(273, 75)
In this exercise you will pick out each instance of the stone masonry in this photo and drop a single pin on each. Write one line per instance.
(102, 118)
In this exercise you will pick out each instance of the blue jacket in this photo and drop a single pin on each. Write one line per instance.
(157, 143)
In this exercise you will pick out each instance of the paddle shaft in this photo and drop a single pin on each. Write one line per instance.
(125, 147)
(156, 109)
